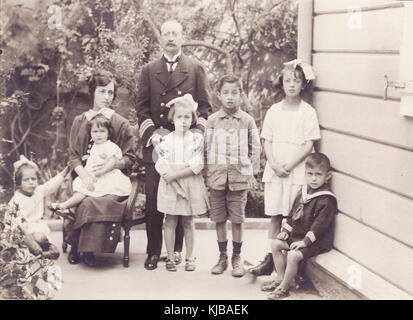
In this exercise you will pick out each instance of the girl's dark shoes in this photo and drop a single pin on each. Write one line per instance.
(265, 268)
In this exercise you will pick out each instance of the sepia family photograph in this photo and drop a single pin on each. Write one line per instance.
(228, 151)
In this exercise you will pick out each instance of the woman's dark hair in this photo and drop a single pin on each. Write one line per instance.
(100, 121)
(18, 175)
(306, 92)
(101, 78)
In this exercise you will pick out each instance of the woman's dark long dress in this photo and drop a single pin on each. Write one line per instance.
(97, 225)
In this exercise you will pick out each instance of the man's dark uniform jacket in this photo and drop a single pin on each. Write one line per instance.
(158, 87)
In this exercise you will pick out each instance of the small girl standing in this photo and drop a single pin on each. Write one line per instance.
(29, 197)
(181, 190)
(289, 130)
(102, 181)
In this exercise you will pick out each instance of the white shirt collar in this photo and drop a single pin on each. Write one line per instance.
(174, 57)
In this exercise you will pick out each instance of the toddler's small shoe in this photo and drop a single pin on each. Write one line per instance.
(278, 293)
(221, 265)
(170, 265)
(237, 267)
(190, 264)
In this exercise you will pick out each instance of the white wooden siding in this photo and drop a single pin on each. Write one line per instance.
(356, 73)
(326, 6)
(388, 258)
(369, 143)
(373, 206)
(370, 118)
(368, 38)
(388, 167)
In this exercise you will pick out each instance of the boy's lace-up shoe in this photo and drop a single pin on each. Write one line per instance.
(237, 267)
(221, 265)
(265, 268)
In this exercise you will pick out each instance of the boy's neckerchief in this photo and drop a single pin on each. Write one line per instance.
(306, 198)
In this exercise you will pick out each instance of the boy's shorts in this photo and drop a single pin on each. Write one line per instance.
(311, 251)
(228, 205)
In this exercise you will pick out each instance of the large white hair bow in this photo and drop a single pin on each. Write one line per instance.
(307, 69)
(23, 160)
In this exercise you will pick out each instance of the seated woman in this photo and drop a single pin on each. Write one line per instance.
(97, 220)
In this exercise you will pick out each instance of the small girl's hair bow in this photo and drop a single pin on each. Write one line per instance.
(23, 160)
(185, 100)
(307, 69)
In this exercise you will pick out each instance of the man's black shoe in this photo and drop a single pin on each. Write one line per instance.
(151, 262)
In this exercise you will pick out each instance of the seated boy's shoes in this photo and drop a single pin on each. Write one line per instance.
(265, 268)
(237, 267)
(268, 286)
(278, 293)
(221, 265)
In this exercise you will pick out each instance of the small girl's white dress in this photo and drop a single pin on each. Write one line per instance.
(186, 196)
(113, 182)
(287, 130)
(32, 207)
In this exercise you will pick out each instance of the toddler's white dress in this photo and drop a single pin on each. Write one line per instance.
(113, 182)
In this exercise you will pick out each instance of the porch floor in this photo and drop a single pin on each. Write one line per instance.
(110, 280)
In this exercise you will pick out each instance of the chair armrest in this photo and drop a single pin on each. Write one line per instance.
(134, 196)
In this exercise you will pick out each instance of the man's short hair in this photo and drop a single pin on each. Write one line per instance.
(172, 22)
(228, 78)
(318, 159)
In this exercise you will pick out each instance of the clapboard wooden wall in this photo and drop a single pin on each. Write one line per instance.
(369, 142)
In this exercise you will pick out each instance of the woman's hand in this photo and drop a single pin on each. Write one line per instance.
(297, 245)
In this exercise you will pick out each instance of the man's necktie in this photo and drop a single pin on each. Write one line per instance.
(171, 63)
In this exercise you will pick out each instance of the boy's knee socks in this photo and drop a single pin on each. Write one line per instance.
(222, 245)
(236, 247)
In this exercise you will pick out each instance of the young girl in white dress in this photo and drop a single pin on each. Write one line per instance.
(289, 130)
(103, 181)
(181, 190)
(29, 197)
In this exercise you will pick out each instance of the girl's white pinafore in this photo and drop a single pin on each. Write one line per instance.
(287, 130)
